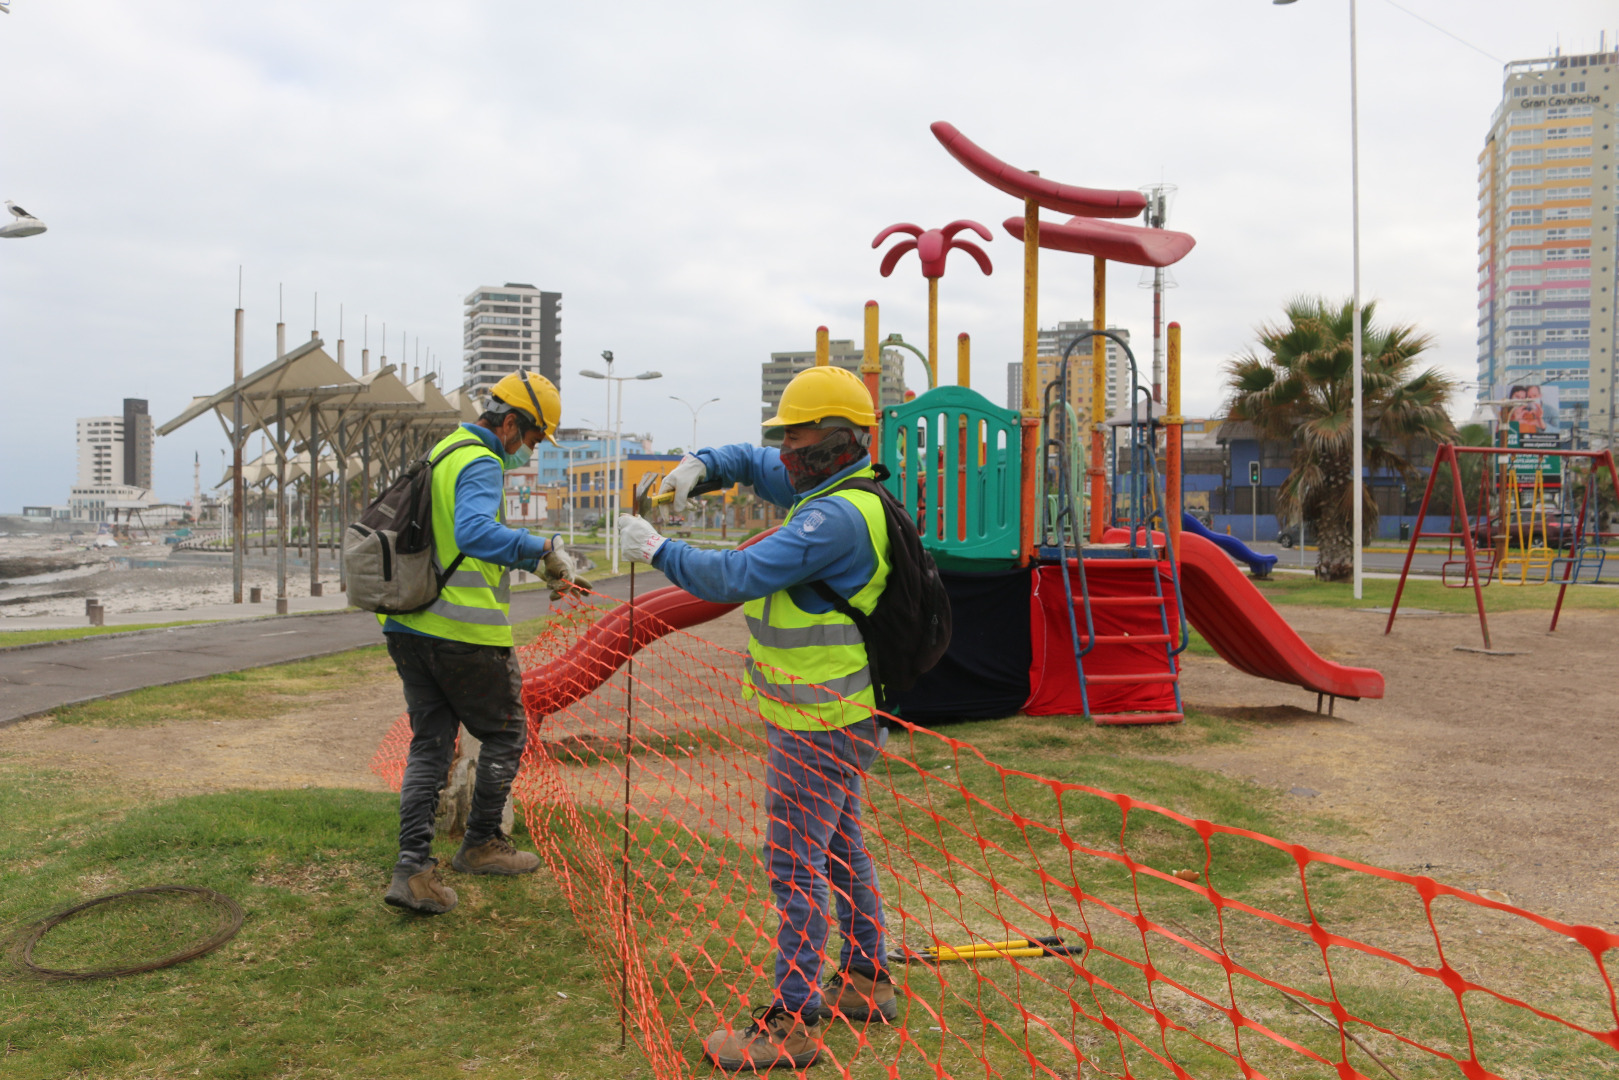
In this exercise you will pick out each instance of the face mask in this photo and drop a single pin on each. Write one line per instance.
(808, 467)
(516, 460)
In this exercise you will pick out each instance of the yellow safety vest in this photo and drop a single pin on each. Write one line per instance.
(810, 672)
(474, 604)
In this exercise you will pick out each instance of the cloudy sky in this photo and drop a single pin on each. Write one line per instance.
(700, 180)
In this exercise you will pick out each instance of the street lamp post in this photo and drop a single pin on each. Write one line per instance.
(1357, 405)
(617, 419)
(695, 409)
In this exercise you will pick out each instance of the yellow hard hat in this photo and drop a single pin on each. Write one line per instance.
(819, 392)
(533, 395)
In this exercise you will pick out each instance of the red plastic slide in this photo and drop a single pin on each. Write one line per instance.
(592, 659)
(1250, 635)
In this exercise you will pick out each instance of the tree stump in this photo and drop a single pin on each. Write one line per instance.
(455, 801)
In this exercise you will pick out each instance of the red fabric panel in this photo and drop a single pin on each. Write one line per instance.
(1053, 682)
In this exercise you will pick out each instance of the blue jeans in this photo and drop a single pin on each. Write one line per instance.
(815, 847)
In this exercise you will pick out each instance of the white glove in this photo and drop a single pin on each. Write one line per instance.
(560, 572)
(637, 538)
(688, 474)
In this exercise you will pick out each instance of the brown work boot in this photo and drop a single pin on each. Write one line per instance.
(775, 1039)
(496, 855)
(856, 996)
(419, 889)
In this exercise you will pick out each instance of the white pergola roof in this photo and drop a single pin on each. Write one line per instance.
(302, 377)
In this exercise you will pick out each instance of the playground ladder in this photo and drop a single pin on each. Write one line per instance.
(1144, 502)
(1154, 603)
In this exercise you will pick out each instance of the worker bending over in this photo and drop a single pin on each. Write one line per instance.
(809, 671)
(455, 656)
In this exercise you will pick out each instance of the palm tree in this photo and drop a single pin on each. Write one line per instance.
(1296, 387)
(1474, 469)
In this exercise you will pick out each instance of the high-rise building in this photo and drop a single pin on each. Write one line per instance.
(138, 439)
(1546, 281)
(116, 450)
(779, 370)
(512, 327)
(1049, 352)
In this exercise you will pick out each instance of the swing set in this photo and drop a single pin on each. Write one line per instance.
(1526, 541)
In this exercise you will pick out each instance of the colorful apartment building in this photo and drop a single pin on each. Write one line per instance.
(1546, 280)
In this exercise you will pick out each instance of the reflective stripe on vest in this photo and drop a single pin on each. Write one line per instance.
(810, 671)
(808, 693)
(799, 637)
(474, 602)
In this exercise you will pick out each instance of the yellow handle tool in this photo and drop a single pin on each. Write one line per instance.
(991, 950)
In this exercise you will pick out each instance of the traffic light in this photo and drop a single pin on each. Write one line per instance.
(1253, 473)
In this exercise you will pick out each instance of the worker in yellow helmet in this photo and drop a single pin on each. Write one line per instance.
(455, 657)
(810, 676)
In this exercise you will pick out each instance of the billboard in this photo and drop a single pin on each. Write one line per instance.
(1530, 409)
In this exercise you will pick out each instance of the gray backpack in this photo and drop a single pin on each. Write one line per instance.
(388, 555)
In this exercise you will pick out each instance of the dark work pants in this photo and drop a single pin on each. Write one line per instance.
(448, 684)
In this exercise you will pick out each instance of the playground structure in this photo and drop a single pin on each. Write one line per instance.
(643, 788)
(1095, 551)
(1531, 537)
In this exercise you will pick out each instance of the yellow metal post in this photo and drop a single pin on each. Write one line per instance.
(1099, 496)
(933, 331)
(871, 372)
(963, 360)
(1032, 455)
(823, 347)
(1173, 422)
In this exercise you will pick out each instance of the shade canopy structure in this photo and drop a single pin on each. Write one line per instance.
(298, 379)
(280, 399)
(1133, 244)
(462, 398)
(1050, 195)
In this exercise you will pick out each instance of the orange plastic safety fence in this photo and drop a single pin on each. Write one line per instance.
(1188, 948)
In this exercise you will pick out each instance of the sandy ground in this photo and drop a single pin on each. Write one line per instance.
(1492, 771)
(1484, 771)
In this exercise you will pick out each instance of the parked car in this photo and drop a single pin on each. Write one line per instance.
(1557, 531)
(1288, 537)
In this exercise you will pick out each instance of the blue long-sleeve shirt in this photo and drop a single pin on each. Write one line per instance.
(478, 532)
(827, 539)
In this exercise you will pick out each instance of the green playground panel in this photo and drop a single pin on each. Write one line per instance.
(948, 442)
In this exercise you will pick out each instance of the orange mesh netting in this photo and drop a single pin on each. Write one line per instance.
(1188, 948)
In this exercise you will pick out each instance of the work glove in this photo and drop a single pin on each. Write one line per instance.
(560, 572)
(637, 538)
(688, 474)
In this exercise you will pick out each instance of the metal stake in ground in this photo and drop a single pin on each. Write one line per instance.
(624, 866)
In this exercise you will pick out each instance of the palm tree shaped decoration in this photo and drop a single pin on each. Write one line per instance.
(933, 246)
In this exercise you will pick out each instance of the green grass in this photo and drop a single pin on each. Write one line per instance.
(1431, 595)
(13, 638)
(234, 695)
(256, 692)
(326, 981)
(993, 822)
(323, 980)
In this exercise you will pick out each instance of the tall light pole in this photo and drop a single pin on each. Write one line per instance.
(1357, 411)
(695, 409)
(617, 419)
(573, 490)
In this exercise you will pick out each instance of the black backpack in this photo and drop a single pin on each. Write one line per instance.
(388, 555)
(908, 631)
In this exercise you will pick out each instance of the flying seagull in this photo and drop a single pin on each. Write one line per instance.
(25, 225)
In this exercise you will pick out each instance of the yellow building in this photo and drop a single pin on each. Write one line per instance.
(591, 488)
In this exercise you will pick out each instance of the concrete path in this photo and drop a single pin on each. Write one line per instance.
(34, 680)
